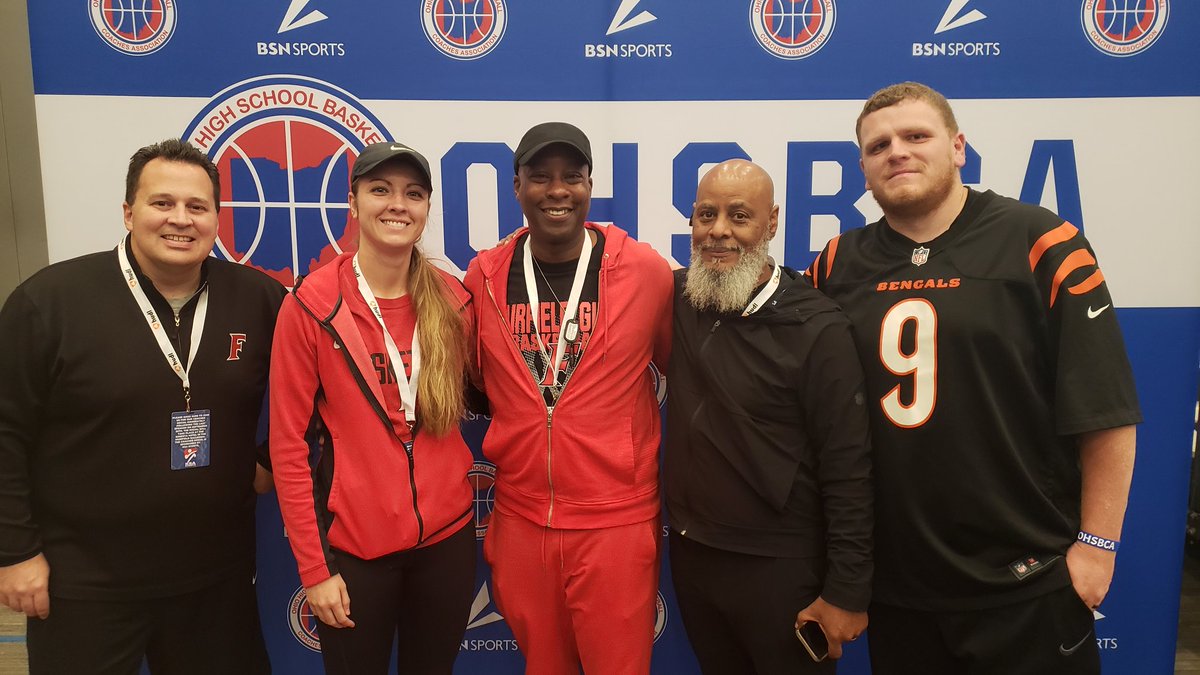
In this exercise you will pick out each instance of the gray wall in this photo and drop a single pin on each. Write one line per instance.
(22, 217)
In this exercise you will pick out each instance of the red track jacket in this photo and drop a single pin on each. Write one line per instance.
(593, 461)
(361, 492)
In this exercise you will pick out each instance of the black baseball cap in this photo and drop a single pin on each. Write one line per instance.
(547, 134)
(377, 153)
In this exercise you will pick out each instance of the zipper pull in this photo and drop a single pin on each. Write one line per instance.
(549, 416)
(714, 327)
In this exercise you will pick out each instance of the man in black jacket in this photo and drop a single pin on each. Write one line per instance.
(131, 382)
(767, 471)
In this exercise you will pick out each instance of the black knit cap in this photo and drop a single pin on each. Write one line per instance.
(547, 134)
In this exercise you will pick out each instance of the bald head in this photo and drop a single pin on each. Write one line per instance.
(742, 173)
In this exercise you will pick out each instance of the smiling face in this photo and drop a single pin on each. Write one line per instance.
(734, 219)
(910, 158)
(554, 190)
(391, 203)
(734, 212)
(172, 220)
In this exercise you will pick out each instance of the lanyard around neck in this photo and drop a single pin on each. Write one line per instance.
(156, 327)
(765, 294)
(568, 317)
(405, 383)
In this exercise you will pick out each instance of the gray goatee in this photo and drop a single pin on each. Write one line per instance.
(724, 291)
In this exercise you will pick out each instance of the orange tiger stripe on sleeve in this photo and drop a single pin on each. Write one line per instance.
(831, 250)
(1076, 260)
(1056, 236)
(811, 272)
(1087, 284)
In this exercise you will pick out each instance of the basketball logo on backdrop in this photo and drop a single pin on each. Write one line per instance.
(792, 29)
(284, 145)
(659, 382)
(1124, 27)
(464, 29)
(660, 616)
(482, 478)
(135, 27)
(302, 621)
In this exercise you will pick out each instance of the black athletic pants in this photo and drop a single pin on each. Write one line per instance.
(423, 595)
(739, 611)
(1052, 634)
(213, 630)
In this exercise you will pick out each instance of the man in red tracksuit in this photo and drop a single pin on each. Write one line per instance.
(570, 315)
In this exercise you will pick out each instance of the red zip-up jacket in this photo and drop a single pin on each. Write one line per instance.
(362, 492)
(591, 461)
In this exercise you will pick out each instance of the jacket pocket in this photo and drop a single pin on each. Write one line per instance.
(593, 459)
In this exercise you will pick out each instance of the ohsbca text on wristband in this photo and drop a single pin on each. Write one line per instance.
(1099, 542)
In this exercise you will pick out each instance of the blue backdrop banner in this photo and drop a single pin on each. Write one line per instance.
(1088, 107)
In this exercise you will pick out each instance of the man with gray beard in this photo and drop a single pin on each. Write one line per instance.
(767, 471)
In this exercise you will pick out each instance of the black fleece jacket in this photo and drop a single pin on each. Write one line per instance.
(767, 441)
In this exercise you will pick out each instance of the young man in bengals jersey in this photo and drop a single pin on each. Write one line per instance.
(1002, 408)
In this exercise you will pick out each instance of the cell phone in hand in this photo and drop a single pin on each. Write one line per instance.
(813, 639)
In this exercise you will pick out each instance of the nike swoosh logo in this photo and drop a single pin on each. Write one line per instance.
(397, 148)
(1093, 313)
(1067, 651)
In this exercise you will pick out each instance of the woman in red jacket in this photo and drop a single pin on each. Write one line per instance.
(378, 516)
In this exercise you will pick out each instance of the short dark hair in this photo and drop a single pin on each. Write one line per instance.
(907, 91)
(172, 150)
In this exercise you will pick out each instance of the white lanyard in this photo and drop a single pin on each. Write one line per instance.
(160, 335)
(405, 383)
(765, 294)
(565, 334)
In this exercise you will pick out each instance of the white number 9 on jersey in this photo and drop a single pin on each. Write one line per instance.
(920, 363)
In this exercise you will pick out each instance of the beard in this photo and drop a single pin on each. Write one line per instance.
(909, 203)
(724, 291)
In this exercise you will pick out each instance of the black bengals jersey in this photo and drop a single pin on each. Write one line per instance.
(986, 350)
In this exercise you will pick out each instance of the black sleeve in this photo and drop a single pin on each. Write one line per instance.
(24, 386)
(262, 436)
(262, 439)
(477, 401)
(837, 423)
(1094, 386)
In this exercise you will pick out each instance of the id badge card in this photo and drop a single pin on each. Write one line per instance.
(190, 439)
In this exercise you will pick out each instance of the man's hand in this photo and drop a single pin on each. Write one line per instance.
(1091, 572)
(839, 625)
(25, 586)
(264, 482)
(330, 602)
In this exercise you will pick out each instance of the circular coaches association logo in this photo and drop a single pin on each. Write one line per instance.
(659, 382)
(136, 27)
(302, 621)
(284, 145)
(464, 29)
(1124, 27)
(660, 616)
(482, 477)
(792, 29)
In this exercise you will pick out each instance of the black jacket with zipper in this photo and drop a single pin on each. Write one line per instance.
(767, 439)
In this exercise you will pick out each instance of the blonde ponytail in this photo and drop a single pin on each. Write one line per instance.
(440, 328)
